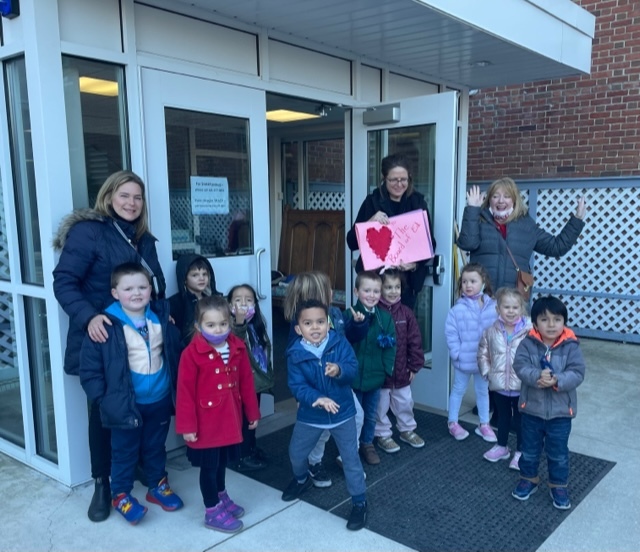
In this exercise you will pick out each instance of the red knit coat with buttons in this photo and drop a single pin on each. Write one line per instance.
(212, 395)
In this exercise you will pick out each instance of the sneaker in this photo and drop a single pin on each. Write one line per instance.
(319, 476)
(164, 496)
(457, 431)
(412, 438)
(524, 489)
(230, 506)
(219, 519)
(388, 444)
(485, 431)
(515, 461)
(129, 507)
(369, 454)
(357, 517)
(295, 489)
(560, 497)
(496, 453)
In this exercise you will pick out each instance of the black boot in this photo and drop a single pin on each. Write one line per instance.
(100, 506)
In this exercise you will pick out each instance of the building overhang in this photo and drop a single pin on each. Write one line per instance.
(462, 43)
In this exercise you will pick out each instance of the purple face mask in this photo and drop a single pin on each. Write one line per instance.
(215, 339)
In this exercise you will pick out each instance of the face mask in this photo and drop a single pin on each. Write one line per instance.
(249, 312)
(215, 339)
(501, 215)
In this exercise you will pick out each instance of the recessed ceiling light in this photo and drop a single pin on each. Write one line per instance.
(287, 116)
(101, 87)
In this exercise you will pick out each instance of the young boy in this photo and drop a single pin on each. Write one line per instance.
(550, 365)
(133, 375)
(196, 279)
(321, 365)
(376, 355)
(396, 391)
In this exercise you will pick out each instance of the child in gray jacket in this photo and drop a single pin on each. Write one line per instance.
(550, 365)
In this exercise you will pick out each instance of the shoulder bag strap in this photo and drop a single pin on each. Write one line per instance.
(144, 263)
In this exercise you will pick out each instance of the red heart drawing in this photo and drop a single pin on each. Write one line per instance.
(380, 241)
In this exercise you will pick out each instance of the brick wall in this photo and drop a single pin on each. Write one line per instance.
(585, 126)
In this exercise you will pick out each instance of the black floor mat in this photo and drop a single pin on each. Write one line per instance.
(444, 496)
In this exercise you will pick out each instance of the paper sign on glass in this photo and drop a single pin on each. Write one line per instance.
(406, 239)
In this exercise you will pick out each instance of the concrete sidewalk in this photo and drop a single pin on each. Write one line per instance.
(40, 514)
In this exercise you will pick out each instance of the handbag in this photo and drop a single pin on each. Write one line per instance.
(524, 280)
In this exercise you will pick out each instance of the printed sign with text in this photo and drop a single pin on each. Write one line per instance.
(209, 195)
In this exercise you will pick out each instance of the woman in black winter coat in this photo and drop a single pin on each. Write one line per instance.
(92, 243)
(395, 196)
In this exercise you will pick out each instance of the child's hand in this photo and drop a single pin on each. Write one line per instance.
(253, 425)
(239, 313)
(190, 437)
(332, 370)
(411, 376)
(328, 404)
(357, 316)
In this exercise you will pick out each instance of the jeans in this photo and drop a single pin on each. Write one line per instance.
(460, 382)
(304, 439)
(315, 456)
(369, 402)
(553, 435)
(146, 441)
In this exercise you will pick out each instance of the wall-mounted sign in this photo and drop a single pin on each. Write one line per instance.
(209, 195)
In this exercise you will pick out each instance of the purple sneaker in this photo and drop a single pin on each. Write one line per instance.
(231, 507)
(515, 461)
(496, 453)
(457, 431)
(219, 519)
(485, 431)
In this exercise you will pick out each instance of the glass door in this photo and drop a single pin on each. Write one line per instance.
(423, 129)
(206, 152)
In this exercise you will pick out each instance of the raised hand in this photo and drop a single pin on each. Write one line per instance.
(581, 208)
(475, 197)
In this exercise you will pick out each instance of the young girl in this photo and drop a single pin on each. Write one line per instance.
(214, 385)
(317, 285)
(473, 313)
(248, 324)
(496, 352)
(396, 391)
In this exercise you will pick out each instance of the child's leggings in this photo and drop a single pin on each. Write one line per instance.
(508, 415)
(315, 456)
(212, 481)
(460, 382)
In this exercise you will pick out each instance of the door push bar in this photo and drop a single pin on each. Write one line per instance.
(435, 268)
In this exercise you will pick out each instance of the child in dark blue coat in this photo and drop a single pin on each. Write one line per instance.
(321, 366)
(132, 376)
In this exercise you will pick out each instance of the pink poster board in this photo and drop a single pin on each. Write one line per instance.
(406, 239)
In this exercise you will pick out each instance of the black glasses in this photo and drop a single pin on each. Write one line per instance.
(398, 180)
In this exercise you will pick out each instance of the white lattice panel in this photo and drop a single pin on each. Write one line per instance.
(4, 248)
(8, 354)
(603, 261)
(326, 201)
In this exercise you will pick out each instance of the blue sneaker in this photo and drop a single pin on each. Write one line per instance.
(560, 497)
(129, 507)
(524, 489)
(164, 497)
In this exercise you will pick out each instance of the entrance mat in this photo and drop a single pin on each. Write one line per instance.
(443, 497)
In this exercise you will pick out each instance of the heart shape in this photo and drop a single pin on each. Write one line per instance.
(380, 241)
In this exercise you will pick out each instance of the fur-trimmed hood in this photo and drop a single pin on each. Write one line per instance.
(77, 215)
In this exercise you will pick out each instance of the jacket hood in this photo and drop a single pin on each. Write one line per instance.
(299, 353)
(566, 335)
(182, 269)
(78, 215)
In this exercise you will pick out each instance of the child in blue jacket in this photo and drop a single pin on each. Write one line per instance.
(321, 366)
(132, 376)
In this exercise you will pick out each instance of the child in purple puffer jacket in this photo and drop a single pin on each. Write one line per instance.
(473, 313)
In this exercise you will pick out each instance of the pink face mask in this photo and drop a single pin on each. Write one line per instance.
(249, 312)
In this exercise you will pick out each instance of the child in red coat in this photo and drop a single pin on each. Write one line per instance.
(215, 386)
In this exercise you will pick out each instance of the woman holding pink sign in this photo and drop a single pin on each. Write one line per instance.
(395, 196)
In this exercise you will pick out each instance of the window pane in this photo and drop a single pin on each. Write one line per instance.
(290, 174)
(5, 273)
(94, 96)
(11, 427)
(40, 372)
(325, 174)
(209, 183)
(24, 180)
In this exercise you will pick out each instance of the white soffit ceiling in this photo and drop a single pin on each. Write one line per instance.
(448, 41)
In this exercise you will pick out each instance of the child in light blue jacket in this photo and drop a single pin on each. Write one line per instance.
(473, 313)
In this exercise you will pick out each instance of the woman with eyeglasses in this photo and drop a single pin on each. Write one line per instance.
(395, 196)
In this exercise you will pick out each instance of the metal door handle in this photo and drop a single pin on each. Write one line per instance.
(259, 270)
